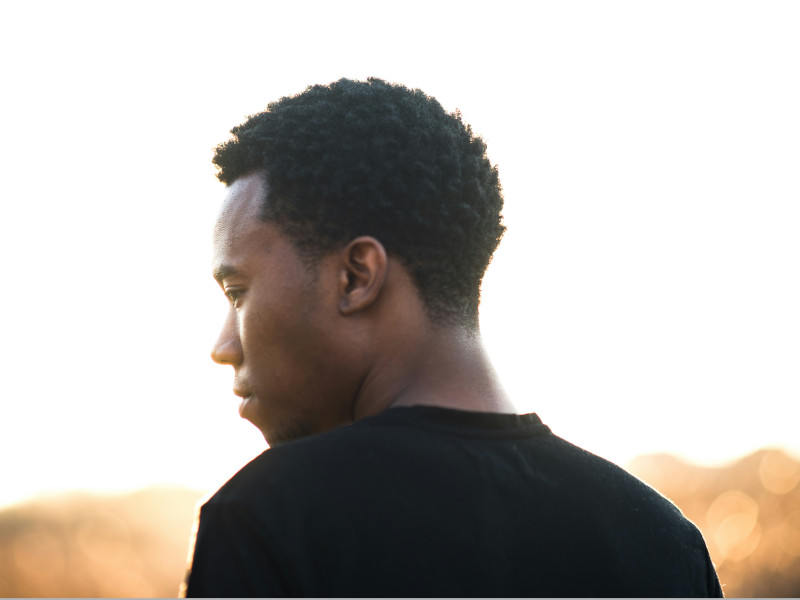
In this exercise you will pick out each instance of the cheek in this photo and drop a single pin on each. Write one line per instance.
(289, 329)
(279, 332)
(257, 331)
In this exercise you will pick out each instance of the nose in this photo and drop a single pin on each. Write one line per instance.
(228, 348)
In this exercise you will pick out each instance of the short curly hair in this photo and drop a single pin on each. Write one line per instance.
(374, 158)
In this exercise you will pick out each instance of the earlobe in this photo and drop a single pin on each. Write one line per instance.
(363, 264)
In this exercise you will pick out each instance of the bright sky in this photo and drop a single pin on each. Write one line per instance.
(644, 299)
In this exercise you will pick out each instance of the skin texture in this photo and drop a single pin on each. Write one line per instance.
(317, 347)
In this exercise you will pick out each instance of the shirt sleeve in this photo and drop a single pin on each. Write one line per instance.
(714, 587)
(231, 557)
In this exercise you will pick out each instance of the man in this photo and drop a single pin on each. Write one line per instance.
(359, 221)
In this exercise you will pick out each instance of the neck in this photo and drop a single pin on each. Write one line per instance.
(445, 367)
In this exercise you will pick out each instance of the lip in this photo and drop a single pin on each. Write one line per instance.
(246, 396)
(243, 405)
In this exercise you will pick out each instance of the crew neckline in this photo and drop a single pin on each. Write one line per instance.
(463, 422)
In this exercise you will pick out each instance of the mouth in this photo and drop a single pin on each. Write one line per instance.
(246, 398)
(242, 393)
(243, 406)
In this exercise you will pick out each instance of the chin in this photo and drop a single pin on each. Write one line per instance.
(285, 432)
(248, 411)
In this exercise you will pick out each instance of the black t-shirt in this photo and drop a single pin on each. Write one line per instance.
(425, 501)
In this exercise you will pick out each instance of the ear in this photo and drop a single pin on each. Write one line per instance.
(362, 271)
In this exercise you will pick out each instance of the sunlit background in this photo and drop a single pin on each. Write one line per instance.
(643, 300)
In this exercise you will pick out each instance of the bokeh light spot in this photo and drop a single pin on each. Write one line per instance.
(779, 473)
(732, 520)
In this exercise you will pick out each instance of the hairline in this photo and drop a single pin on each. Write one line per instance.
(311, 248)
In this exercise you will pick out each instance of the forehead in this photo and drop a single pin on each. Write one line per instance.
(241, 208)
(240, 236)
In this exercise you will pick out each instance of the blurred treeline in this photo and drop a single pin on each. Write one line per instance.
(749, 513)
(136, 545)
(82, 545)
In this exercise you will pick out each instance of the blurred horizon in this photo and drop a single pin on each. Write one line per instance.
(10, 500)
(136, 544)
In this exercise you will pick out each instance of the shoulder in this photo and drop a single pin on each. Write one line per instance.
(301, 468)
(598, 482)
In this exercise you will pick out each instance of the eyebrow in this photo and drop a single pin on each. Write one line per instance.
(223, 271)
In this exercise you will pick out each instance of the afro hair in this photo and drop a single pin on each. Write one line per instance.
(372, 158)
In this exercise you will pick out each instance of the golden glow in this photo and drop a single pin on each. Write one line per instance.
(789, 534)
(732, 521)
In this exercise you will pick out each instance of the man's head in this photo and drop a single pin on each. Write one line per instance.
(358, 217)
(371, 158)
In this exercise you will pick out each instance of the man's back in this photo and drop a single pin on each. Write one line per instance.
(426, 501)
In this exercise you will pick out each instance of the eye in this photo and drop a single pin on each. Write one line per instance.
(234, 296)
